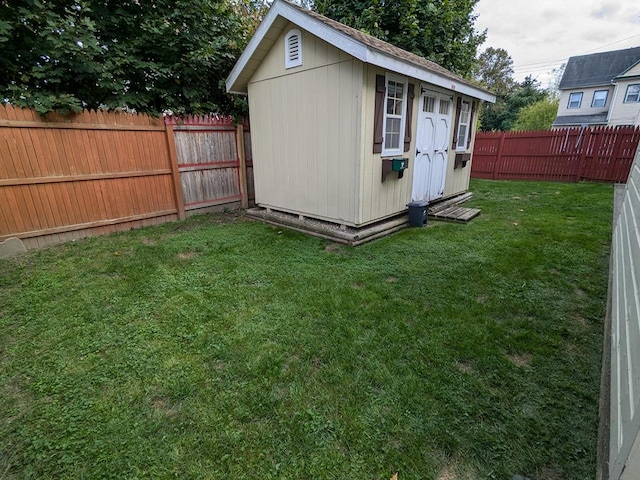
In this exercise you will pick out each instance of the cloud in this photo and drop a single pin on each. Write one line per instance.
(606, 11)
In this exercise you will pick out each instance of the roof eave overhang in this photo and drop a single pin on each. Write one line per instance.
(347, 44)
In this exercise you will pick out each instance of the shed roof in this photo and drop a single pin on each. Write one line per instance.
(364, 47)
(598, 68)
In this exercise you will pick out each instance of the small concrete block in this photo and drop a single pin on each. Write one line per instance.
(12, 247)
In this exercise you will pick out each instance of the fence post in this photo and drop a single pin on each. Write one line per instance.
(242, 167)
(175, 174)
(496, 164)
(615, 155)
(583, 155)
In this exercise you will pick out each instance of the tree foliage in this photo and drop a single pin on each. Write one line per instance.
(503, 114)
(440, 30)
(150, 56)
(538, 116)
(494, 70)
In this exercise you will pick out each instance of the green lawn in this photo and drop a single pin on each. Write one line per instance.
(229, 349)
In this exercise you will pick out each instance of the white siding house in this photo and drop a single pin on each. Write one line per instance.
(600, 89)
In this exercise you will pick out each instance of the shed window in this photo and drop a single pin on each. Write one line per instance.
(394, 115)
(575, 100)
(633, 94)
(463, 125)
(293, 49)
(599, 98)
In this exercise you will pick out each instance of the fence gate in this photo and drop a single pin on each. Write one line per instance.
(211, 163)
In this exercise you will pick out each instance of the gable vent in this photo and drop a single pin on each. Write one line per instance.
(293, 49)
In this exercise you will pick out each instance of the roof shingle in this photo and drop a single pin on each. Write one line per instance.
(597, 68)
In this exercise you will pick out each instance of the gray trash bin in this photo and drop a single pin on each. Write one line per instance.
(417, 213)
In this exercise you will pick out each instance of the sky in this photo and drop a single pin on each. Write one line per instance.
(540, 35)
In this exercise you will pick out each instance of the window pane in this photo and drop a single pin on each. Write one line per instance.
(444, 107)
(392, 140)
(390, 105)
(462, 136)
(429, 103)
(575, 99)
(599, 98)
(393, 125)
(633, 94)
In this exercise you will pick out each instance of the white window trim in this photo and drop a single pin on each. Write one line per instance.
(387, 152)
(606, 97)
(288, 63)
(626, 95)
(569, 107)
(463, 147)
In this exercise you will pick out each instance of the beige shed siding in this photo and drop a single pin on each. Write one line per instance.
(624, 113)
(625, 335)
(381, 200)
(293, 113)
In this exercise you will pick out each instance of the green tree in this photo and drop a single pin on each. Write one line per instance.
(150, 56)
(440, 30)
(494, 70)
(502, 116)
(538, 116)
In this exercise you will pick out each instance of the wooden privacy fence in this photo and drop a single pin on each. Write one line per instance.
(98, 172)
(601, 154)
(212, 162)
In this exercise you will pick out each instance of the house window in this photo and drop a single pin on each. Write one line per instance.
(463, 125)
(575, 100)
(394, 115)
(633, 94)
(293, 49)
(599, 98)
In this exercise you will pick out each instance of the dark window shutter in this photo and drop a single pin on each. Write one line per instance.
(456, 121)
(379, 112)
(409, 120)
(473, 108)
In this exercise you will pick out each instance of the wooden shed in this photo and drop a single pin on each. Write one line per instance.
(346, 128)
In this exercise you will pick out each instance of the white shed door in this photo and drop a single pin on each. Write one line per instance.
(432, 141)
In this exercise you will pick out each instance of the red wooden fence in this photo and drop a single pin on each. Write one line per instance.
(600, 154)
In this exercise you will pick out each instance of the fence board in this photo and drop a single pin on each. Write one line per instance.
(65, 178)
(602, 154)
(69, 177)
(208, 161)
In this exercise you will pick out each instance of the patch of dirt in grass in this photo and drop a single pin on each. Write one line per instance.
(481, 299)
(549, 473)
(334, 247)
(523, 361)
(464, 366)
(186, 255)
(580, 320)
(14, 392)
(453, 471)
(391, 279)
(149, 241)
(579, 292)
(358, 286)
(165, 407)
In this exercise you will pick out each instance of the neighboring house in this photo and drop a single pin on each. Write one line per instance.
(600, 89)
(331, 108)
